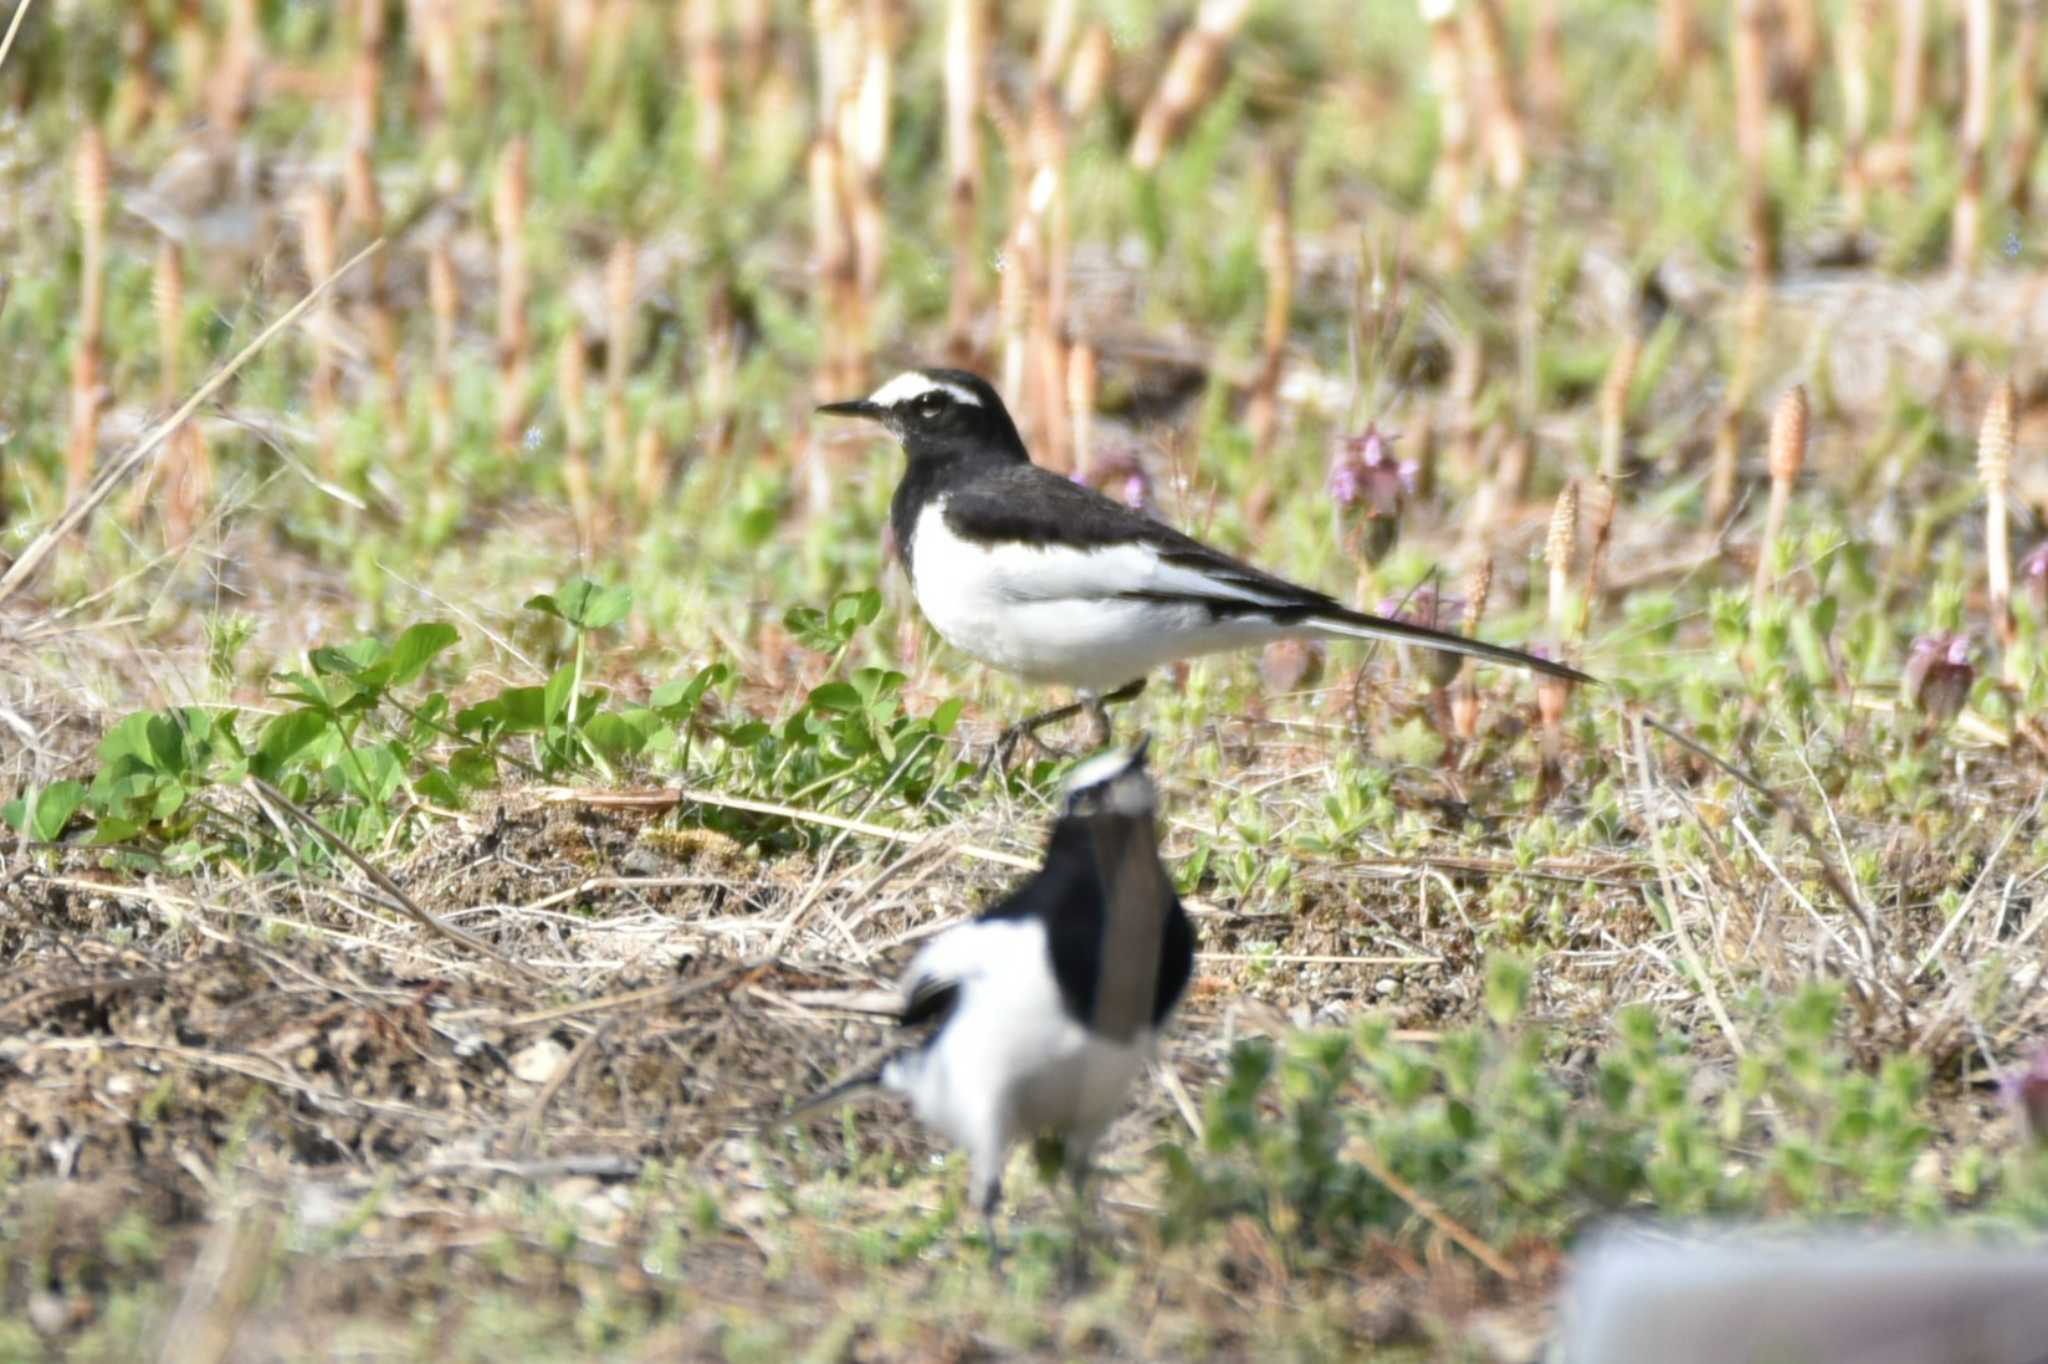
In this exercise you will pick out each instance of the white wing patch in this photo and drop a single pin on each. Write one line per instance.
(913, 384)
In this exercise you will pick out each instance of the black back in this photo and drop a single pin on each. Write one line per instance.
(1069, 897)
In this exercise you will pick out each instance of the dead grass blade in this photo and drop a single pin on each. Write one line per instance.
(40, 548)
(1431, 1213)
(13, 27)
(399, 898)
(668, 799)
(1829, 872)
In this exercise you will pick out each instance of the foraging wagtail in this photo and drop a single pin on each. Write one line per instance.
(1042, 1011)
(1052, 581)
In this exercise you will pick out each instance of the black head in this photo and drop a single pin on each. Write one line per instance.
(939, 412)
(1113, 785)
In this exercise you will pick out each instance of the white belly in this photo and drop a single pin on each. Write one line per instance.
(1009, 1063)
(1053, 614)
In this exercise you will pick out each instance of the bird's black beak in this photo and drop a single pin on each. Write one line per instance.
(853, 407)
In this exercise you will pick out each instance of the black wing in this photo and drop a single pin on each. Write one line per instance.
(1024, 502)
(932, 1000)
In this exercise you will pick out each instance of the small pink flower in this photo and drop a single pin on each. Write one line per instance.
(1121, 474)
(1369, 486)
(1939, 674)
(2034, 572)
(2026, 1089)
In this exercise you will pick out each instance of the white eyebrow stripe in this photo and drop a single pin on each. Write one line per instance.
(910, 384)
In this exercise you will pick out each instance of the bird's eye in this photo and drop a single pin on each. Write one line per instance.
(930, 406)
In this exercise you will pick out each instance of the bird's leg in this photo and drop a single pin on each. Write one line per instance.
(1095, 706)
(985, 1191)
(1098, 710)
(1079, 1167)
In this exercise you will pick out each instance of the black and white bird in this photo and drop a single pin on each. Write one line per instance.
(1051, 581)
(1043, 1010)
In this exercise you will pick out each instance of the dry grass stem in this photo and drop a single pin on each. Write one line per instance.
(1994, 467)
(1558, 548)
(1722, 477)
(1747, 50)
(2025, 138)
(13, 27)
(24, 568)
(1188, 81)
(1614, 395)
(1787, 456)
(1677, 40)
(1451, 178)
(269, 796)
(1852, 56)
(620, 281)
(90, 200)
(571, 391)
(1276, 256)
(1082, 381)
(442, 303)
(317, 247)
(1490, 77)
(705, 49)
(509, 193)
(964, 63)
(1967, 224)
(1909, 68)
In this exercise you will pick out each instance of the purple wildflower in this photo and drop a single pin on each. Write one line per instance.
(1939, 675)
(1121, 474)
(1365, 480)
(2034, 572)
(2026, 1089)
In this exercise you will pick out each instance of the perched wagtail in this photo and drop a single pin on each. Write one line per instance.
(1044, 578)
(1042, 1011)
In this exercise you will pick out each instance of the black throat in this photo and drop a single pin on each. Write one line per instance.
(938, 463)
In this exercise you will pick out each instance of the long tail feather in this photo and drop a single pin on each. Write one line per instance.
(1359, 625)
(825, 1098)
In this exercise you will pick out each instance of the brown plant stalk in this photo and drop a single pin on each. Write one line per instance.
(1852, 55)
(1276, 256)
(442, 303)
(1967, 224)
(1752, 113)
(1723, 476)
(317, 246)
(508, 219)
(2026, 106)
(1614, 394)
(570, 370)
(963, 82)
(619, 285)
(1558, 548)
(1787, 457)
(705, 49)
(1188, 81)
(1994, 467)
(1908, 72)
(1492, 84)
(90, 201)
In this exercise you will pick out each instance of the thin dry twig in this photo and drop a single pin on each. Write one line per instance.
(1694, 964)
(389, 887)
(1431, 1213)
(668, 799)
(40, 548)
(13, 27)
